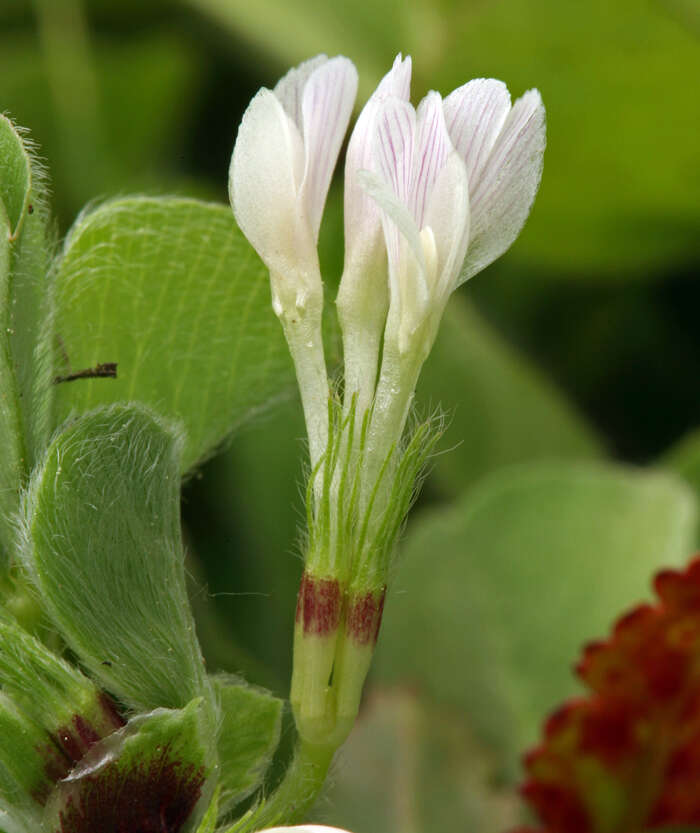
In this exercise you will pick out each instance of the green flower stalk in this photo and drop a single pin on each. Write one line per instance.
(432, 196)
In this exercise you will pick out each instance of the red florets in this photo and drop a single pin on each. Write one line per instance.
(627, 757)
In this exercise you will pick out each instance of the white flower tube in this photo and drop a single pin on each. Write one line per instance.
(281, 168)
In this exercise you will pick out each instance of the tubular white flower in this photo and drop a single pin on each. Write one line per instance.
(363, 297)
(454, 182)
(281, 168)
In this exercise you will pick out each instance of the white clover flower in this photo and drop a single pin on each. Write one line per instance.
(281, 167)
(455, 180)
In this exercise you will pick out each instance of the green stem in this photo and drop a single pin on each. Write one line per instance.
(296, 793)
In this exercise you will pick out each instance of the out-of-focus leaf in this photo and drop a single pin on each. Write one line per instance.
(128, 136)
(496, 593)
(103, 544)
(499, 408)
(171, 291)
(410, 765)
(684, 459)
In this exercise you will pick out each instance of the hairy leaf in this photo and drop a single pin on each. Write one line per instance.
(103, 543)
(24, 381)
(169, 291)
(250, 723)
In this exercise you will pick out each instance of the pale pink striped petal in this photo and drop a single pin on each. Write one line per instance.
(290, 88)
(265, 170)
(475, 114)
(448, 216)
(327, 102)
(362, 220)
(409, 293)
(396, 138)
(501, 197)
(432, 146)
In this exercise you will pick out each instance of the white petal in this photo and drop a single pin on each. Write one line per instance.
(362, 217)
(290, 88)
(397, 220)
(263, 181)
(305, 828)
(432, 146)
(327, 102)
(397, 81)
(475, 113)
(448, 216)
(502, 196)
(409, 293)
(396, 137)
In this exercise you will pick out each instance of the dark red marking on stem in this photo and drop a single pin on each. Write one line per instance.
(155, 796)
(364, 616)
(319, 605)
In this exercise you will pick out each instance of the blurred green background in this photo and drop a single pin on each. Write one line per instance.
(575, 353)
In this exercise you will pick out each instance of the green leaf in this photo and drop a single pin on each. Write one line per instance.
(410, 764)
(103, 543)
(499, 408)
(170, 291)
(684, 459)
(50, 715)
(250, 724)
(24, 372)
(150, 775)
(498, 592)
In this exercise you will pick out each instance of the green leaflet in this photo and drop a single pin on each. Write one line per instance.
(50, 715)
(515, 576)
(24, 373)
(170, 291)
(103, 543)
(154, 771)
(684, 459)
(250, 721)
